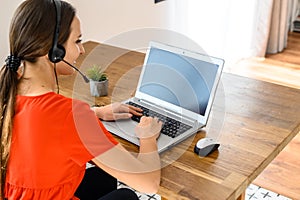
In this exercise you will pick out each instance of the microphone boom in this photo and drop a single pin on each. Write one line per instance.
(83, 76)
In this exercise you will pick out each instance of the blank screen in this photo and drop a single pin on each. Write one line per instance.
(180, 80)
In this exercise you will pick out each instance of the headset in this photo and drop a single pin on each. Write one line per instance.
(57, 51)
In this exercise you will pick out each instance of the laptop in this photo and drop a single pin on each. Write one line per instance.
(176, 85)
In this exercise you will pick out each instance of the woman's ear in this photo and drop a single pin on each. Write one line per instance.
(21, 69)
(47, 57)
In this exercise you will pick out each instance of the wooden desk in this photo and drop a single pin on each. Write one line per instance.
(253, 120)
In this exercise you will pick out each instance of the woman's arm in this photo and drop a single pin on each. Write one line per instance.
(142, 171)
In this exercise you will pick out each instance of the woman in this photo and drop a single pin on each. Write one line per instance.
(46, 138)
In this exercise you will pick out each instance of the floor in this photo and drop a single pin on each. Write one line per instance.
(253, 192)
(140, 195)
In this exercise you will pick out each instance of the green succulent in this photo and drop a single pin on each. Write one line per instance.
(96, 73)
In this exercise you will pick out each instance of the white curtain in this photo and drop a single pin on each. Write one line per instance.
(279, 23)
(235, 29)
(223, 28)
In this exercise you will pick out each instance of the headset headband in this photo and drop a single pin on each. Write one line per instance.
(57, 52)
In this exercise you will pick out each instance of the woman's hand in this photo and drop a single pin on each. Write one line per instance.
(148, 128)
(117, 111)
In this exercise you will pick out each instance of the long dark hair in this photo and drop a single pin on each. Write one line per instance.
(30, 36)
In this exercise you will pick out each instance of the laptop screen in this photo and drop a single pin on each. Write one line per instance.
(178, 79)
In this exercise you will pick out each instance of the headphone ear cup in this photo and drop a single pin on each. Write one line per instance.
(57, 53)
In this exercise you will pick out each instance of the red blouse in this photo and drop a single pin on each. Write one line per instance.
(53, 138)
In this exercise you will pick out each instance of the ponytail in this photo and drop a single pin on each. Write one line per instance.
(8, 91)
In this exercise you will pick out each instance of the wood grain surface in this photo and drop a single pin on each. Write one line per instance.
(283, 174)
(253, 120)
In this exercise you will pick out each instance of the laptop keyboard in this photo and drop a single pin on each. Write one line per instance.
(171, 127)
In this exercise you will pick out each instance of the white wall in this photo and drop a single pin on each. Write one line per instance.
(222, 28)
(103, 20)
(131, 23)
(6, 12)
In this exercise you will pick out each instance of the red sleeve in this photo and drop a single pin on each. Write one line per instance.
(86, 136)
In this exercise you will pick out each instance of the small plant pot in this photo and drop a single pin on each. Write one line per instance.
(99, 89)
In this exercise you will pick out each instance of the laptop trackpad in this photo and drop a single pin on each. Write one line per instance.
(123, 128)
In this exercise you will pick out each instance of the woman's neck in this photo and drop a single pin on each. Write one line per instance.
(38, 78)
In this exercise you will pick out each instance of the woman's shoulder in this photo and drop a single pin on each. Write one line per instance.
(67, 102)
(51, 101)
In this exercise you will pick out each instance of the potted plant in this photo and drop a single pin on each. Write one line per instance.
(98, 81)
